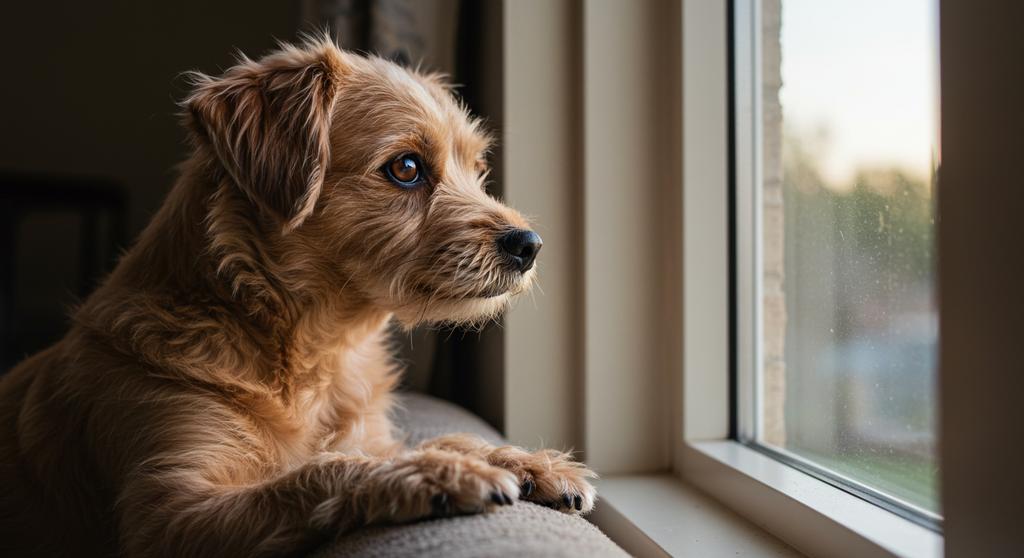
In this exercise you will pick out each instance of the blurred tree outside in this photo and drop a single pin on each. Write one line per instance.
(861, 332)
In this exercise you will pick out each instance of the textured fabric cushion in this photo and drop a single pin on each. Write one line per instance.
(422, 417)
(524, 529)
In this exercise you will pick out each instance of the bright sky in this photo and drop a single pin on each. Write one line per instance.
(866, 73)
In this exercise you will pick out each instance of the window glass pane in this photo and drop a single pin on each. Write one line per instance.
(846, 364)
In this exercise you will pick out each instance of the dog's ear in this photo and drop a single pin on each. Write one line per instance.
(268, 123)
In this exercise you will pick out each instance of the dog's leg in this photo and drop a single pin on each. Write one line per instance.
(291, 513)
(547, 477)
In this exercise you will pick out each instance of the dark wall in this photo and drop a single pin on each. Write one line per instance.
(90, 87)
(89, 90)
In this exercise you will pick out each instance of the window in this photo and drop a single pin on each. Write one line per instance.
(835, 157)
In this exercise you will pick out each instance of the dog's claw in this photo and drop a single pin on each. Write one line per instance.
(578, 502)
(500, 498)
(439, 504)
(567, 500)
(527, 488)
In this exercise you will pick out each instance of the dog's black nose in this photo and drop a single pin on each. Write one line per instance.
(522, 245)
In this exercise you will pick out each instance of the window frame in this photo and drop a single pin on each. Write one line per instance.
(746, 309)
(680, 44)
(598, 360)
(801, 508)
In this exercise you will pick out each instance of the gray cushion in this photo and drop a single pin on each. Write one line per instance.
(422, 417)
(524, 529)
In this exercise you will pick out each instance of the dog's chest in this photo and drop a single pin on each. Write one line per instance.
(346, 411)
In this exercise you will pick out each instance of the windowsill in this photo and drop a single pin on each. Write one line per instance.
(767, 505)
(660, 514)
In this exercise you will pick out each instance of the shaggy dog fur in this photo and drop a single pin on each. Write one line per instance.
(226, 390)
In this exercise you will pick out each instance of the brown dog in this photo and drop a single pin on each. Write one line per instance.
(226, 391)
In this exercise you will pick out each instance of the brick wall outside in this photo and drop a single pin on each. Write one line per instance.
(773, 255)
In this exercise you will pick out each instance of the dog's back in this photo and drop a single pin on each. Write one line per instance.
(44, 487)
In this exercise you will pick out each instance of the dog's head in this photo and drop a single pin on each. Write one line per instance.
(365, 178)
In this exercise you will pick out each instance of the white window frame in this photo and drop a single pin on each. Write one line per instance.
(592, 144)
(810, 514)
(749, 176)
(650, 414)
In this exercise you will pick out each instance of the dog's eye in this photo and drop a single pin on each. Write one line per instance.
(405, 171)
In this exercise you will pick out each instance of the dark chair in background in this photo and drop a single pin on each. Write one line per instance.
(58, 236)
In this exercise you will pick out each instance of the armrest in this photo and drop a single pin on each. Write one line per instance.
(524, 529)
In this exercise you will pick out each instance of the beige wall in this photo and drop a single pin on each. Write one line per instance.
(540, 144)
(592, 151)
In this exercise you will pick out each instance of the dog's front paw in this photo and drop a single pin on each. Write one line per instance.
(437, 483)
(548, 477)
